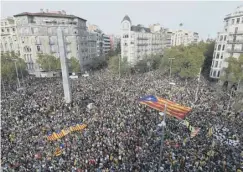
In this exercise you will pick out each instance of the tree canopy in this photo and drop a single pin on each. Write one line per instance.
(48, 62)
(74, 64)
(234, 71)
(8, 71)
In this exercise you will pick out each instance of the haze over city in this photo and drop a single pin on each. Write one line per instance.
(206, 18)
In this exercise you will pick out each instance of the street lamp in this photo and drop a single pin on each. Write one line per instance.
(162, 124)
(15, 60)
(170, 66)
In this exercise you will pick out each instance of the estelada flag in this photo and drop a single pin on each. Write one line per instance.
(173, 108)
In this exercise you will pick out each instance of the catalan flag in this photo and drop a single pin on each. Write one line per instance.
(52, 136)
(173, 108)
(59, 150)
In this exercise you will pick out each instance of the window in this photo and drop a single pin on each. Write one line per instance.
(221, 57)
(216, 64)
(223, 47)
(225, 37)
(7, 30)
(237, 20)
(214, 73)
(236, 29)
(13, 29)
(38, 48)
(219, 47)
(218, 73)
(2, 30)
(212, 64)
(221, 37)
(217, 57)
(233, 21)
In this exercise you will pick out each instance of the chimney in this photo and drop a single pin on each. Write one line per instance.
(41, 10)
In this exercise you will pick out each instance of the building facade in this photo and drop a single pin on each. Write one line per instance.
(114, 41)
(36, 33)
(184, 37)
(106, 44)
(138, 42)
(228, 43)
(9, 39)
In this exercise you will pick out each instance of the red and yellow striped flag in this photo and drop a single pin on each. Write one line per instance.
(173, 108)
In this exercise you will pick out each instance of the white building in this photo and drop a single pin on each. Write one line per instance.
(138, 42)
(229, 42)
(36, 33)
(9, 40)
(184, 37)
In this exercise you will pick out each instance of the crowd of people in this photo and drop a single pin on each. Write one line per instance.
(122, 134)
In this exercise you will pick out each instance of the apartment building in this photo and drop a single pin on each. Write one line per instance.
(106, 44)
(228, 43)
(138, 42)
(36, 33)
(184, 37)
(9, 40)
(114, 41)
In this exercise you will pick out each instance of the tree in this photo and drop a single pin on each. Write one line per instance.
(187, 60)
(208, 59)
(118, 48)
(113, 65)
(234, 71)
(75, 66)
(8, 71)
(48, 62)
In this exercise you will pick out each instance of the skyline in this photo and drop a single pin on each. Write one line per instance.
(108, 15)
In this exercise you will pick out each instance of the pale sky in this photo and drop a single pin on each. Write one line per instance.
(206, 18)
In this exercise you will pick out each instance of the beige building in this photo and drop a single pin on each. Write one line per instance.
(9, 40)
(228, 43)
(184, 37)
(138, 42)
(36, 33)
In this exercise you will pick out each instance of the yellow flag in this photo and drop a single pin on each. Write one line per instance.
(210, 131)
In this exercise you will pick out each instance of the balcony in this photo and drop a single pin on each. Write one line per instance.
(235, 50)
(236, 33)
(235, 41)
(141, 38)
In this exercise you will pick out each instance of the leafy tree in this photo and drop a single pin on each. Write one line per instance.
(8, 71)
(75, 66)
(48, 62)
(187, 60)
(234, 71)
(208, 59)
(113, 65)
(118, 48)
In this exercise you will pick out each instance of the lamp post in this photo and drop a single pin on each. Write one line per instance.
(199, 76)
(162, 124)
(15, 60)
(119, 65)
(170, 67)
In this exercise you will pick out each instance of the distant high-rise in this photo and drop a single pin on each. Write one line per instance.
(228, 43)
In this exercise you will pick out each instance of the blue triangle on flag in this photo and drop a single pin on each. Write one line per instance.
(149, 98)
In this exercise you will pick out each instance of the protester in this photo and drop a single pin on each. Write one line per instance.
(122, 135)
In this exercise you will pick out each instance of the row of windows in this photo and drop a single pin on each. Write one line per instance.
(215, 73)
(234, 21)
(216, 64)
(216, 56)
(219, 47)
(8, 30)
(222, 38)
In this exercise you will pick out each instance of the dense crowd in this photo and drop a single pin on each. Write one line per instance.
(122, 135)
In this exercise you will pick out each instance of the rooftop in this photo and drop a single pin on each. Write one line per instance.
(140, 28)
(48, 14)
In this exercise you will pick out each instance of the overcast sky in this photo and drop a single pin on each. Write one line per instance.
(206, 18)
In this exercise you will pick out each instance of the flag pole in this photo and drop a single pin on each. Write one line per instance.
(162, 138)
